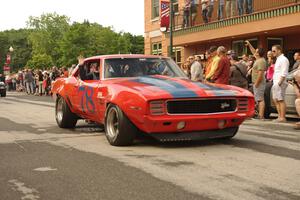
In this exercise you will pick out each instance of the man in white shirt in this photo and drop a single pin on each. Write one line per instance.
(196, 69)
(280, 84)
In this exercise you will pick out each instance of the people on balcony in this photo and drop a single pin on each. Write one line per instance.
(249, 6)
(186, 13)
(240, 5)
(194, 10)
(221, 9)
(210, 9)
(204, 6)
(230, 8)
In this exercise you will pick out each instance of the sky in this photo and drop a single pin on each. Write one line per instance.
(123, 15)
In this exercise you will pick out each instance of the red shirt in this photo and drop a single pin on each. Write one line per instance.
(221, 75)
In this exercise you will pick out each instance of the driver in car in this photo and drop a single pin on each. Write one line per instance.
(93, 73)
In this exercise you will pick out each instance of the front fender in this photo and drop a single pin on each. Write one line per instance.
(133, 105)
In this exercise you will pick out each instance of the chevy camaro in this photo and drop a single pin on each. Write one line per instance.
(138, 94)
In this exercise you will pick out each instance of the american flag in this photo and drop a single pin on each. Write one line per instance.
(165, 14)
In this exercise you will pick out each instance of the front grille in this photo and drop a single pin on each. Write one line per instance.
(204, 106)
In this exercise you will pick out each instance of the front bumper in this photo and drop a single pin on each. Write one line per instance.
(196, 135)
(171, 123)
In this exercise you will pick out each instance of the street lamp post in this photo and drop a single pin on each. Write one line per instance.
(10, 50)
(171, 28)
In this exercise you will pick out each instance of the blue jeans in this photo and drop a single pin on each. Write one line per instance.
(186, 19)
(249, 6)
(221, 12)
(240, 7)
(204, 16)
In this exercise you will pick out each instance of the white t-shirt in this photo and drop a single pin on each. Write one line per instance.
(281, 68)
(196, 71)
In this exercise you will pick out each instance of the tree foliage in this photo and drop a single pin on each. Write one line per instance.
(40, 61)
(51, 39)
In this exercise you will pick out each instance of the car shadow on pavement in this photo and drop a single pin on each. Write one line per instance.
(149, 141)
(11, 126)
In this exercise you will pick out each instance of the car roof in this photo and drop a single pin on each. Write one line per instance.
(124, 56)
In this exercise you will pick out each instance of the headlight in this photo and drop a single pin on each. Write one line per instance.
(157, 107)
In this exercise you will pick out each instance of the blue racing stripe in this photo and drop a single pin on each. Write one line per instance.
(175, 89)
(219, 92)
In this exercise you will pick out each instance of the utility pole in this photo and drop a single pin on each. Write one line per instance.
(171, 29)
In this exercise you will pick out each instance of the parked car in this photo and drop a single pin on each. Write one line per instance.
(2, 89)
(290, 98)
(137, 94)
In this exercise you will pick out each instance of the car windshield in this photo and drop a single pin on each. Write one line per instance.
(133, 67)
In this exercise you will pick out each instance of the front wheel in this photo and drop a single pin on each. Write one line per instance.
(64, 116)
(119, 130)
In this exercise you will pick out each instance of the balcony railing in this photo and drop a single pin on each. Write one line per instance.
(262, 9)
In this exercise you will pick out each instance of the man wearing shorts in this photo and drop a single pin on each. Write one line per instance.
(258, 78)
(279, 82)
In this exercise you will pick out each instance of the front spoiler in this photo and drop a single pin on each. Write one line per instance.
(195, 135)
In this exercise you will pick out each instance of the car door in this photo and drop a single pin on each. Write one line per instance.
(87, 95)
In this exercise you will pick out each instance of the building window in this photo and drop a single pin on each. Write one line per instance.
(156, 49)
(177, 55)
(254, 43)
(274, 41)
(240, 48)
(155, 9)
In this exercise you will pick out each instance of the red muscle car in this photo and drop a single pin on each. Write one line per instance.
(134, 94)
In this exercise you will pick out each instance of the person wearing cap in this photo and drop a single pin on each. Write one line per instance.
(221, 74)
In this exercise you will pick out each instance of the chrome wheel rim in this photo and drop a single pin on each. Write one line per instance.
(59, 110)
(112, 123)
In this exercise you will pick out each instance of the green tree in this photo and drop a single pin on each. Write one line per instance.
(136, 43)
(40, 61)
(89, 39)
(18, 39)
(47, 32)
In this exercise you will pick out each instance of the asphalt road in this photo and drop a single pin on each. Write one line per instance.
(38, 160)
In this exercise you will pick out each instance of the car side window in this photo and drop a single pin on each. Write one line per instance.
(90, 70)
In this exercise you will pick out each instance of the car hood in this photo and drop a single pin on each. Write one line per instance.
(163, 87)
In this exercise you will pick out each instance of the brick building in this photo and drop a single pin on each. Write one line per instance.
(272, 22)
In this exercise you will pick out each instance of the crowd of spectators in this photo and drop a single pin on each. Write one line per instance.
(34, 82)
(225, 9)
(250, 72)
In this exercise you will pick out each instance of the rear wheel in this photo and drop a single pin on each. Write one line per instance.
(64, 116)
(119, 130)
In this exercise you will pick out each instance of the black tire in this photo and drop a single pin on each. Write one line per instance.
(3, 93)
(235, 130)
(119, 130)
(63, 115)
